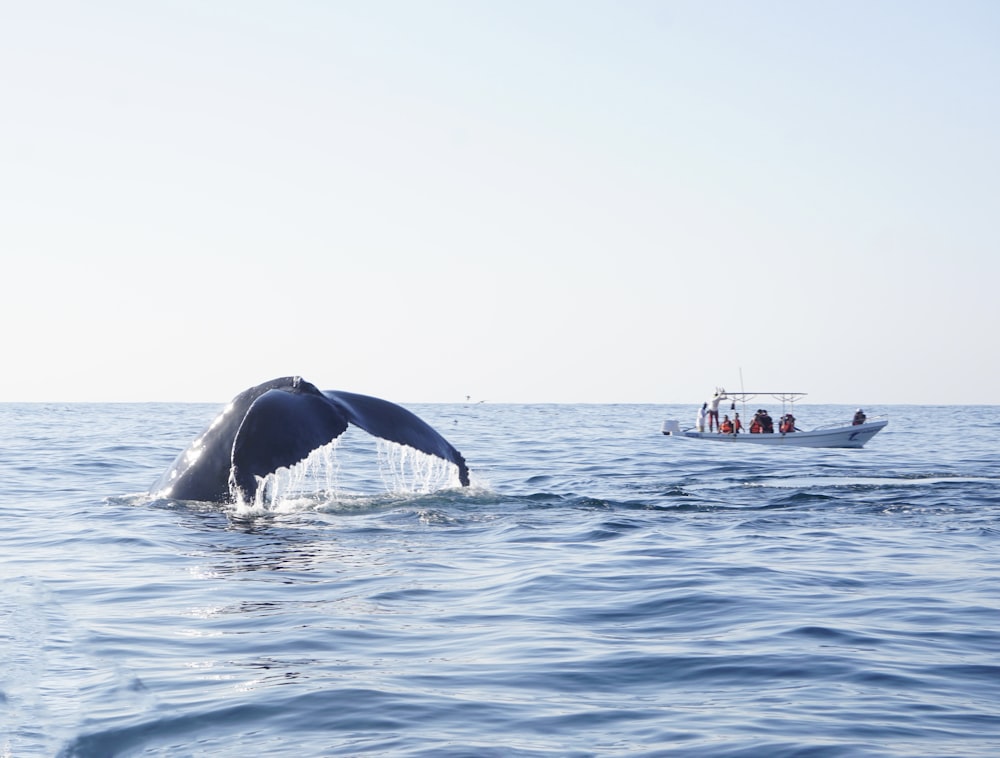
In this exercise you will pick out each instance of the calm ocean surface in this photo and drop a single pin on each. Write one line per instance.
(600, 590)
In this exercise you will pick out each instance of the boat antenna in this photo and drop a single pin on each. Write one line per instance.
(743, 394)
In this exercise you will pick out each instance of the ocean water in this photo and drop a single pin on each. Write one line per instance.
(600, 590)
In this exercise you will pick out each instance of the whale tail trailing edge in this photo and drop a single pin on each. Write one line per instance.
(278, 424)
(392, 422)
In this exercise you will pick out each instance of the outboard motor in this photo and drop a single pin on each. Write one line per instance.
(671, 426)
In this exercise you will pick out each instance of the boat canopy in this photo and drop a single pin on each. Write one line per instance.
(742, 397)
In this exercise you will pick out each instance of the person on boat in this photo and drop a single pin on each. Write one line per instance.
(726, 427)
(755, 425)
(766, 423)
(713, 412)
(702, 413)
(787, 424)
(737, 424)
(859, 417)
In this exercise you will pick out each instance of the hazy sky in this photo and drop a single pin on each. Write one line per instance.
(537, 201)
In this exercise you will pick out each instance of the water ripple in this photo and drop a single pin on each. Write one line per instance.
(601, 590)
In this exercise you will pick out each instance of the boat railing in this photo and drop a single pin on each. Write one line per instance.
(841, 425)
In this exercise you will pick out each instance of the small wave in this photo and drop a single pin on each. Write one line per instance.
(869, 481)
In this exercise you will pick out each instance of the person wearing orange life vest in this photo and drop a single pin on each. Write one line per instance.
(787, 423)
(737, 424)
(726, 427)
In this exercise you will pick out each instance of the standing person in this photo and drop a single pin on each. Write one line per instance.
(702, 413)
(713, 412)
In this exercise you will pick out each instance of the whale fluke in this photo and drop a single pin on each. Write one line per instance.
(278, 424)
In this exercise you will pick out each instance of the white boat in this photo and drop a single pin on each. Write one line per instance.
(850, 436)
(823, 436)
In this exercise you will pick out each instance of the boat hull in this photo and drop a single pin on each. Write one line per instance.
(841, 436)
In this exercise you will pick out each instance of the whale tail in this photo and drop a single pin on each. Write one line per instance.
(278, 424)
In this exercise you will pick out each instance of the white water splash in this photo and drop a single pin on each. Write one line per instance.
(408, 471)
(339, 473)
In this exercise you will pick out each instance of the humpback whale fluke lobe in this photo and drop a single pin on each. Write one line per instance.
(278, 424)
